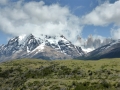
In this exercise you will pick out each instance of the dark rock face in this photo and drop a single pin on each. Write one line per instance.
(111, 50)
(44, 47)
(10, 48)
(95, 43)
(31, 43)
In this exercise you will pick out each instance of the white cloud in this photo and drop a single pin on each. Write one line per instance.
(115, 33)
(3, 2)
(104, 14)
(37, 18)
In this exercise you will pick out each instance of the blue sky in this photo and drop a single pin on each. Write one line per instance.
(87, 17)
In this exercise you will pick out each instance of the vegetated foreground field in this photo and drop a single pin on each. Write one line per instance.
(32, 74)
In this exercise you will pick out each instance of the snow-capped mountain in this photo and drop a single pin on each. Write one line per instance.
(111, 50)
(43, 47)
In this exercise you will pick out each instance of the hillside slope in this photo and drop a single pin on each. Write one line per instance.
(34, 74)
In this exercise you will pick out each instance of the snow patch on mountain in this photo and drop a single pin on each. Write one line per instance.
(38, 49)
(22, 38)
(87, 50)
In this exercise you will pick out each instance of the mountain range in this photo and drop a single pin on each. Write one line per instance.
(93, 42)
(43, 47)
(48, 47)
(111, 50)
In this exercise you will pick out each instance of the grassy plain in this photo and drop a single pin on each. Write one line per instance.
(33, 74)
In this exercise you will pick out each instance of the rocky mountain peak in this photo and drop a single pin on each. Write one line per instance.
(44, 46)
(13, 41)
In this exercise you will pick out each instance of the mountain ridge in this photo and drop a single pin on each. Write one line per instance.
(48, 47)
(43, 47)
(110, 50)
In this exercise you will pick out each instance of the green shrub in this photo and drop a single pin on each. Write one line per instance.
(105, 84)
(118, 85)
(0, 69)
(81, 86)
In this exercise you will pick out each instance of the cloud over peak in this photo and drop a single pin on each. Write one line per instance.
(21, 17)
(36, 17)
